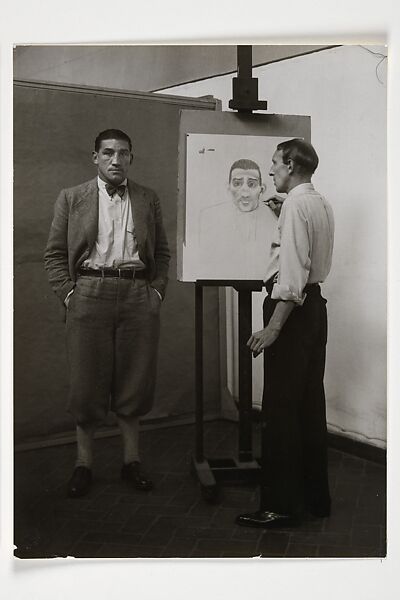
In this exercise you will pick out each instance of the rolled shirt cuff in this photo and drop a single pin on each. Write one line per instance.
(68, 296)
(284, 293)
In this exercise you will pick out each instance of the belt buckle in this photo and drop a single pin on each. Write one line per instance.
(133, 272)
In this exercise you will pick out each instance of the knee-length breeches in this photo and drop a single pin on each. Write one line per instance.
(112, 330)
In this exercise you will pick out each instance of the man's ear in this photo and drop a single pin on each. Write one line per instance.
(95, 157)
(131, 158)
(290, 165)
(263, 187)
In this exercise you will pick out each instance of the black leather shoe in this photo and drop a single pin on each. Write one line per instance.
(132, 474)
(266, 520)
(80, 482)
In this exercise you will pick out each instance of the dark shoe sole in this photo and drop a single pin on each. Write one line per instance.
(78, 494)
(141, 485)
(279, 523)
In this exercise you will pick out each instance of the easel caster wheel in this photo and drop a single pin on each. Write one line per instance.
(209, 493)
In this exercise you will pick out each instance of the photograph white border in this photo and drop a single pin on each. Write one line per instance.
(333, 21)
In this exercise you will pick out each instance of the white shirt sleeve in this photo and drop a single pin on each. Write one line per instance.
(294, 255)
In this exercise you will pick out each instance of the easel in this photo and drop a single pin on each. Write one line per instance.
(243, 468)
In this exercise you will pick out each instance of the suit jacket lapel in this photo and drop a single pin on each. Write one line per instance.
(88, 210)
(140, 208)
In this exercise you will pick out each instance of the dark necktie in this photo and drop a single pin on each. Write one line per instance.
(120, 189)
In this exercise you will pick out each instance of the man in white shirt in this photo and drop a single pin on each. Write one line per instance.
(294, 476)
(107, 260)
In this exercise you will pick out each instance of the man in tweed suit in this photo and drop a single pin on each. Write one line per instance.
(107, 260)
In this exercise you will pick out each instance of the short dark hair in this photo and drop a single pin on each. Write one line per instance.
(245, 163)
(111, 134)
(301, 153)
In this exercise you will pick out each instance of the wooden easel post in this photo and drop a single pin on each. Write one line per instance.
(243, 468)
(245, 100)
(244, 86)
(199, 372)
(245, 375)
(244, 290)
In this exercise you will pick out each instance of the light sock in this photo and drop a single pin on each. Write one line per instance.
(129, 427)
(84, 438)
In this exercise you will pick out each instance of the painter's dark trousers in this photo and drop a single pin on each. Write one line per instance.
(113, 330)
(294, 473)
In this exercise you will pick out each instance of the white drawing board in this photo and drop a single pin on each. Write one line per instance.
(227, 228)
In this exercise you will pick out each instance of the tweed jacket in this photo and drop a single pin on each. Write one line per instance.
(74, 229)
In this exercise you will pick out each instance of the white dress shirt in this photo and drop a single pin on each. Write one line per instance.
(116, 244)
(301, 251)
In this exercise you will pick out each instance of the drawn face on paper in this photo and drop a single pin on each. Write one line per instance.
(246, 188)
(279, 172)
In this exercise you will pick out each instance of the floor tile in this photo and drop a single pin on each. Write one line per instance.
(174, 521)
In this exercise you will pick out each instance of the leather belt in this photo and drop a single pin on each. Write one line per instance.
(109, 272)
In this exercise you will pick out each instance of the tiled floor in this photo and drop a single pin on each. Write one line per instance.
(173, 520)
